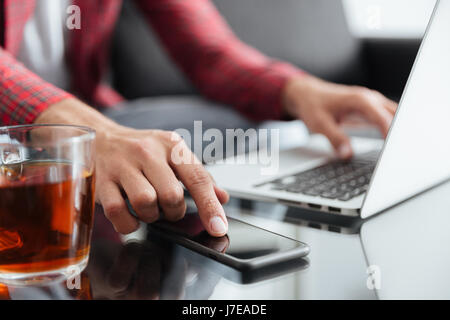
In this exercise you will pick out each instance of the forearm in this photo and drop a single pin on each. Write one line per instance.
(221, 66)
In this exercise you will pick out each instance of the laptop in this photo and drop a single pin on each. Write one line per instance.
(414, 157)
(404, 251)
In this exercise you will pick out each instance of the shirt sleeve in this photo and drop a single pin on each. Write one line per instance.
(221, 66)
(23, 95)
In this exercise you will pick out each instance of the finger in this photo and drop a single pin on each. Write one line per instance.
(338, 139)
(142, 196)
(219, 244)
(221, 194)
(201, 187)
(169, 191)
(372, 107)
(115, 208)
(391, 106)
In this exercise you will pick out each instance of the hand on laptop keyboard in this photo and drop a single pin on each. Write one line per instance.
(339, 179)
(323, 106)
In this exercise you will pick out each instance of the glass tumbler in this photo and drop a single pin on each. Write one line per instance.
(47, 177)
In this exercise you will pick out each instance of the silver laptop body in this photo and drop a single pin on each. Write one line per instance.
(414, 157)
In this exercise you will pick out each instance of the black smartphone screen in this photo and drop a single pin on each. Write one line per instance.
(243, 241)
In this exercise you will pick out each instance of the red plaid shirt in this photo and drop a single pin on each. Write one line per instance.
(193, 33)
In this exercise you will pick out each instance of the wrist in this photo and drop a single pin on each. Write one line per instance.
(292, 93)
(298, 93)
(74, 112)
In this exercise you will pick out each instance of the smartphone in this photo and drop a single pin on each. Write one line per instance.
(244, 247)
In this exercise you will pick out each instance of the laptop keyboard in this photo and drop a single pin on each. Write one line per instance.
(340, 179)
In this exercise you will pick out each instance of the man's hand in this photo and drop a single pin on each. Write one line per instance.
(323, 106)
(139, 165)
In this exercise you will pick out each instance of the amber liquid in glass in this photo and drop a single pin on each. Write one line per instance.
(46, 216)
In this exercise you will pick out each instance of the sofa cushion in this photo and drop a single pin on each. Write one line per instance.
(311, 34)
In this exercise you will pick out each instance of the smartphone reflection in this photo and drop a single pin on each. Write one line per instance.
(151, 268)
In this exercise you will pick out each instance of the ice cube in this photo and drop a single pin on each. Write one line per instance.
(11, 155)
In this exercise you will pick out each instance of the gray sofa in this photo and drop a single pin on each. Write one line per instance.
(311, 34)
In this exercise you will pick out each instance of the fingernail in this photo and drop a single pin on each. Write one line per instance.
(344, 151)
(217, 225)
